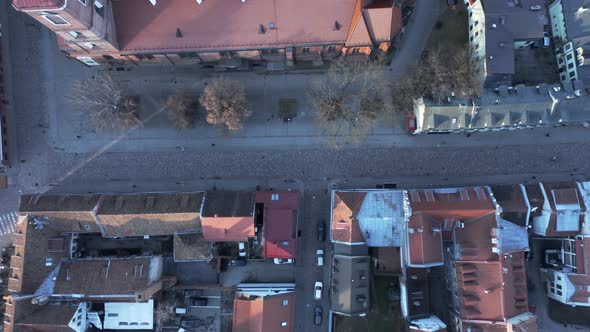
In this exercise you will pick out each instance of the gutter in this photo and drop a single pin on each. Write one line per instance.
(42, 10)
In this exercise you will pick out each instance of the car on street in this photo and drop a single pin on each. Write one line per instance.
(317, 290)
(546, 39)
(198, 301)
(242, 249)
(317, 320)
(194, 323)
(320, 257)
(406, 14)
(322, 231)
(236, 262)
(284, 261)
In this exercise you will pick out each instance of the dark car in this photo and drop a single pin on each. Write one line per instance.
(322, 230)
(197, 301)
(236, 262)
(406, 14)
(318, 316)
(190, 323)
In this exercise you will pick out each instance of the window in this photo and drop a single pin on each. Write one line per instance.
(190, 55)
(305, 50)
(559, 293)
(88, 61)
(54, 18)
(476, 34)
(90, 46)
(83, 2)
(331, 49)
(470, 14)
(123, 323)
(48, 261)
(285, 302)
(76, 34)
(79, 323)
(471, 38)
(572, 75)
(563, 77)
(355, 50)
(284, 324)
(570, 66)
(99, 8)
(112, 314)
(569, 56)
(274, 197)
(476, 23)
(470, 27)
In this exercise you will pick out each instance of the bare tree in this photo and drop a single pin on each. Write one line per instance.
(440, 73)
(181, 109)
(106, 102)
(348, 99)
(225, 102)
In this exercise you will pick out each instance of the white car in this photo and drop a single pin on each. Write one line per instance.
(284, 261)
(242, 249)
(317, 290)
(320, 257)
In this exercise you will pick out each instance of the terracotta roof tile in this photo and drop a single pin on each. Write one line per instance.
(280, 212)
(488, 292)
(228, 229)
(383, 19)
(424, 241)
(360, 33)
(219, 25)
(261, 314)
(345, 226)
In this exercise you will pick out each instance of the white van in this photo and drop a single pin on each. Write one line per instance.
(546, 39)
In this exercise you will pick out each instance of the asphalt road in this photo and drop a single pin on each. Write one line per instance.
(508, 157)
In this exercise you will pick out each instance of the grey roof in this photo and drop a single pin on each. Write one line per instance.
(350, 284)
(577, 28)
(505, 24)
(381, 217)
(511, 236)
(577, 22)
(499, 108)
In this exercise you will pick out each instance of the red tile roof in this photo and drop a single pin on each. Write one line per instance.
(264, 314)
(474, 239)
(424, 241)
(383, 19)
(462, 203)
(37, 4)
(581, 288)
(280, 223)
(345, 226)
(219, 25)
(488, 292)
(583, 254)
(227, 229)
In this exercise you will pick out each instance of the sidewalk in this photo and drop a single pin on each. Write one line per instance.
(71, 131)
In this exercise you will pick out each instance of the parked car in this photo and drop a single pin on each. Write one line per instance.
(546, 39)
(318, 316)
(317, 290)
(406, 14)
(198, 301)
(242, 249)
(284, 261)
(180, 310)
(190, 323)
(322, 230)
(236, 262)
(320, 257)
